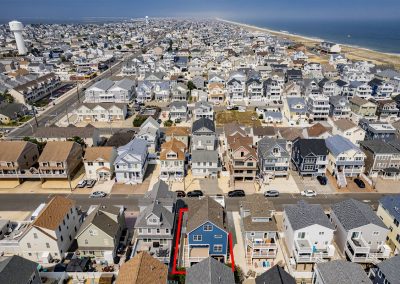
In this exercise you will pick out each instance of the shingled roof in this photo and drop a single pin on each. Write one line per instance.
(204, 210)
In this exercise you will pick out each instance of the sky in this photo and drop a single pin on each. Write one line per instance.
(229, 9)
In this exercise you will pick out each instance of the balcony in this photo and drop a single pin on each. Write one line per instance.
(195, 254)
(358, 250)
(305, 252)
(262, 243)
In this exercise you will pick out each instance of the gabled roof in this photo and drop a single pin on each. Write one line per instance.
(391, 203)
(353, 214)
(11, 150)
(266, 146)
(204, 210)
(161, 193)
(94, 153)
(166, 217)
(341, 271)
(344, 124)
(312, 146)
(302, 215)
(316, 130)
(338, 144)
(275, 275)
(16, 269)
(203, 122)
(209, 271)
(390, 268)
(142, 269)
(204, 156)
(102, 221)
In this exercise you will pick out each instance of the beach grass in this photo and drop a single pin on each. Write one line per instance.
(249, 118)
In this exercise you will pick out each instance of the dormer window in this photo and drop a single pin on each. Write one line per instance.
(275, 150)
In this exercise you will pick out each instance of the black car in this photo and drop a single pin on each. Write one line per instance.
(236, 193)
(195, 193)
(180, 193)
(322, 180)
(359, 183)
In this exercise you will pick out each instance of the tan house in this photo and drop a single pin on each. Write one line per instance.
(348, 129)
(143, 269)
(60, 159)
(179, 133)
(172, 157)
(101, 232)
(52, 232)
(99, 162)
(216, 92)
(16, 158)
(361, 108)
(242, 158)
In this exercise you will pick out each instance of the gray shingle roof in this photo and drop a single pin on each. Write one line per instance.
(16, 269)
(390, 268)
(203, 122)
(209, 271)
(341, 271)
(204, 210)
(353, 214)
(338, 144)
(204, 156)
(266, 146)
(302, 215)
(275, 275)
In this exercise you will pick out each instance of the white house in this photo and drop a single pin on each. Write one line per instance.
(108, 91)
(102, 111)
(99, 162)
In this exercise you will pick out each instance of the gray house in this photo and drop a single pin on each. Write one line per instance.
(386, 272)
(273, 157)
(203, 135)
(18, 270)
(150, 131)
(360, 234)
(178, 111)
(339, 271)
(154, 227)
(205, 163)
(209, 271)
(101, 233)
(203, 109)
(131, 163)
(275, 274)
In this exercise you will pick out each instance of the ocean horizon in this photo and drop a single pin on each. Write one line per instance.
(378, 35)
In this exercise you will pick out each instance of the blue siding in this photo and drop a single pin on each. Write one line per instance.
(208, 238)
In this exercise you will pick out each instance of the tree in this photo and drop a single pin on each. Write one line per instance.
(180, 278)
(168, 123)
(130, 46)
(138, 121)
(35, 141)
(8, 97)
(239, 275)
(191, 86)
(78, 140)
(119, 47)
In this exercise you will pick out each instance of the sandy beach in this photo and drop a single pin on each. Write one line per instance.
(351, 52)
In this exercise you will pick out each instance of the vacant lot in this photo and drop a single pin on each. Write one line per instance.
(248, 117)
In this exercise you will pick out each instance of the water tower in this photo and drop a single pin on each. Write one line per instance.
(17, 28)
(147, 20)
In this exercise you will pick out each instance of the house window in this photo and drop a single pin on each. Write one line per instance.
(198, 238)
(29, 245)
(375, 233)
(207, 227)
(301, 235)
(321, 233)
(140, 230)
(47, 245)
(90, 163)
(35, 236)
(218, 236)
(158, 230)
(398, 238)
(167, 231)
(86, 242)
(217, 248)
(396, 222)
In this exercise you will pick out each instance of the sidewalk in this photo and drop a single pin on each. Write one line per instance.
(239, 249)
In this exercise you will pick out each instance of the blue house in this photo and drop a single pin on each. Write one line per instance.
(206, 233)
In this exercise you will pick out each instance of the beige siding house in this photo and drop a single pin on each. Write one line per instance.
(99, 162)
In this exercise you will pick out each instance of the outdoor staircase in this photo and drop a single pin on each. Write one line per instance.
(341, 180)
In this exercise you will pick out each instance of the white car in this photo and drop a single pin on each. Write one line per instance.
(308, 193)
(98, 194)
(82, 183)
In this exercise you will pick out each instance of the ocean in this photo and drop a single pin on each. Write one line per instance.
(379, 35)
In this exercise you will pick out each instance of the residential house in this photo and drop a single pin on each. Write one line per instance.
(144, 91)
(317, 131)
(99, 162)
(179, 133)
(386, 272)
(119, 139)
(387, 110)
(162, 91)
(260, 232)
(362, 108)
(19, 270)
(142, 269)
(275, 274)
(318, 107)
(259, 132)
(330, 47)
(344, 160)
(102, 112)
(131, 162)
(383, 159)
(349, 130)
(155, 225)
(178, 111)
(216, 92)
(360, 234)
(339, 107)
(100, 234)
(359, 89)
(376, 130)
(52, 232)
(273, 90)
(389, 212)
(205, 163)
(10, 112)
(203, 135)
(150, 132)
(60, 159)
(339, 271)
(173, 160)
(209, 271)
(295, 110)
(310, 156)
(17, 158)
(273, 158)
(108, 91)
(254, 90)
(381, 90)
(206, 234)
(236, 89)
(203, 109)
(242, 158)
(308, 234)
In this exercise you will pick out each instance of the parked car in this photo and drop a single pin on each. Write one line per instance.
(232, 108)
(322, 180)
(359, 182)
(271, 193)
(194, 193)
(308, 193)
(180, 193)
(81, 183)
(98, 194)
(90, 183)
(236, 193)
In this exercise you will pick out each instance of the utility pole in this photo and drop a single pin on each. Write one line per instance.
(77, 92)
(66, 110)
(34, 115)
